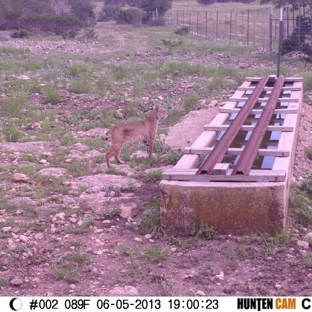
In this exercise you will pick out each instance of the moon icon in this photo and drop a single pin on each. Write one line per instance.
(15, 304)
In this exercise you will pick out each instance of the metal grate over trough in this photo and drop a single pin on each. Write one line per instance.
(236, 175)
(282, 91)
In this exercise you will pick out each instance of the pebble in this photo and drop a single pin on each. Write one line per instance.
(303, 244)
(16, 281)
(6, 229)
(19, 177)
(138, 239)
(39, 236)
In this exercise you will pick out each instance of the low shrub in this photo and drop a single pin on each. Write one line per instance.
(20, 34)
(182, 31)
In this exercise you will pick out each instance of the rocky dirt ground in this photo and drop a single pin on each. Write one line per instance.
(63, 234)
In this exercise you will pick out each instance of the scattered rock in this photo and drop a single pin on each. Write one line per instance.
(128, 211)
(55, 172)
(16, 281)
(20, 177)
(124, 291)
(20, 202)
(39, 236)
(303, 244)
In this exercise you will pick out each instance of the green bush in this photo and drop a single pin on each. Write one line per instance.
(52, 94)
(20, 34)
(288, 45)
(191, 102)
(109, 12)
(183, 31)
(131, 16)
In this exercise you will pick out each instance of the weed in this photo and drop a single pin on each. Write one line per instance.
(173, 156)
(150, 221)
(112, 212)
(67, 139)
(143, 162)
(66, 271)
(191, 102)
(52, 94)
(154, 176)
(182, 31)
(115, 171)
(301, 204)
(171, 44)
(156, 253)
(308, 151)
(160, 147)
(12, 107)
(86, 223)
(203, 230)
(80, 257)
(181, 242)
(127, 251)
(79, 86)
(2, 281)
(282, 237)
(11, 133)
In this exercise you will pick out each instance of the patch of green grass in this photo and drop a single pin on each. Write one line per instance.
(13, 107)
(173, 156)
(282, 237)
(52, 94)
(87, 222)
(191, 102)
(80, 257)
(80, 86)
(142, 162)
(11, 133)
(300, 203)
(150, 221)
(67, 139)
(127, 251)
(154, 176)
(112, 212)
(156, 253)
(202, 230)
(66, 271)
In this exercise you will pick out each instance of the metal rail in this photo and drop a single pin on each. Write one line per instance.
(228, 137)
(249, 154)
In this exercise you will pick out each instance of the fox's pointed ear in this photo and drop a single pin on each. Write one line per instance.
(157, 107)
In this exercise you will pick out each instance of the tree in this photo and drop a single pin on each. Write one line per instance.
(46, 15)
(153, 6)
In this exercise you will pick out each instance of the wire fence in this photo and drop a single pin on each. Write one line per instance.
(258, 28)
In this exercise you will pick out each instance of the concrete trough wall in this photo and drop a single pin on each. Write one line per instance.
(236, 208)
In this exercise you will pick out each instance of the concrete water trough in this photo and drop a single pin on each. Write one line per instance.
(209, 185)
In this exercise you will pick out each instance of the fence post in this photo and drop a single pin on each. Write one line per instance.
(248, 27)
(235, 27)
(271, 29)
(217, 22)
(206, 25)
(231, 27)
(254, 29)
(287, 31)
(197, 23)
